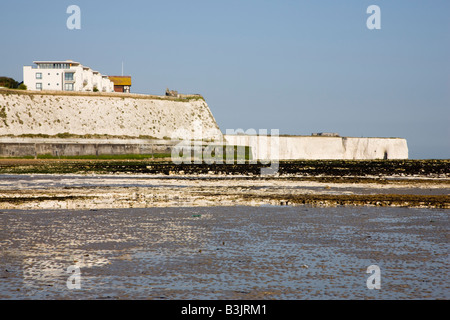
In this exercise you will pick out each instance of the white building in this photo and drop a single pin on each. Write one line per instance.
(64, 76)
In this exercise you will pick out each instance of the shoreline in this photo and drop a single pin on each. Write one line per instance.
(95, 191)
(94, 184)
(432, 168)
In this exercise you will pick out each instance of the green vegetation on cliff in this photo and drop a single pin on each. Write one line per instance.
(11, 83)
(14, 90)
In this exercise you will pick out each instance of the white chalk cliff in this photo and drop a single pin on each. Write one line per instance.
(133, 116)
(104, 114)
(325, 148)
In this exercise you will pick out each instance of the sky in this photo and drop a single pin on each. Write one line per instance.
(297, 66)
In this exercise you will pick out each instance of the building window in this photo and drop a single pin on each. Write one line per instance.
(68, 76)
(54, 65)
(68, 86)
(38, 86)
(38, 75)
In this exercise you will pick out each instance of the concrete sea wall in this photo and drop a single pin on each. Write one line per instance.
(131, 115)
(22, 147)
(317, 147)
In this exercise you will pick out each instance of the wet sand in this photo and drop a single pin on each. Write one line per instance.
(271, 252)
(210, 235)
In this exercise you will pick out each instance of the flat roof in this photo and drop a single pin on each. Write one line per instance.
(121, 80)
(56, 61)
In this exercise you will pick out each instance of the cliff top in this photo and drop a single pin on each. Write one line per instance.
(184, 98)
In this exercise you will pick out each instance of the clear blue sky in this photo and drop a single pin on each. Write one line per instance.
(297, 66)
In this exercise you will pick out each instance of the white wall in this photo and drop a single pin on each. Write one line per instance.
(29, 78)
(309, 147)
(78, 77)
(106, 85)
(87, 76)
(97, 81)
(53, 79)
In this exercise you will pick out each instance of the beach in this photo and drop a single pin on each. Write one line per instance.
(33, 184)
(209, 235)
(225, 252)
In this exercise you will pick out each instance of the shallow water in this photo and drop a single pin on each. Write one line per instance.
(267, 252)
(66, 181)
(39, 181)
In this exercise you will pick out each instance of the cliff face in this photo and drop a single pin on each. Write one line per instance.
(306, 147)
(132, 116)
(104, 114)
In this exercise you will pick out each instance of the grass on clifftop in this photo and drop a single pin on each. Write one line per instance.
(99, 157)
(183, 98)
(67, 135)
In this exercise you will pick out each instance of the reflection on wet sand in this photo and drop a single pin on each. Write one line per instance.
(240, 252)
